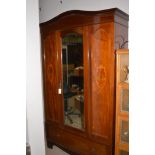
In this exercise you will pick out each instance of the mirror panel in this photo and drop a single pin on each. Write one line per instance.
(73, 80)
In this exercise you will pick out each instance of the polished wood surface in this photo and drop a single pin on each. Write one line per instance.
(78, 18)
(98, 29)
(102, 59)
(51, 78)
(75, 144)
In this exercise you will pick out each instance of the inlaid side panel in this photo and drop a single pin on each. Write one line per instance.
(102, 81)
(50, 78)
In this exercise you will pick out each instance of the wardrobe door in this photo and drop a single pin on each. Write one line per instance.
(50, 70)
(102, 62)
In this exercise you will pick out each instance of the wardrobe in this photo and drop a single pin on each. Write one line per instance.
(79, 79)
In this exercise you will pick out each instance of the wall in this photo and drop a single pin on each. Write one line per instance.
(34, 101)
(52, 8)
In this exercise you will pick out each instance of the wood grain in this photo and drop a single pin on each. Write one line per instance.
(50, 78)
(76, 144)
(102, 81)
(99, 30)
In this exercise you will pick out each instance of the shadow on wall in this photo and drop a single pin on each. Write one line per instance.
(28, 149)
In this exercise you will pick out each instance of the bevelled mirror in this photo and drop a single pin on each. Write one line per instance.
(73, 80)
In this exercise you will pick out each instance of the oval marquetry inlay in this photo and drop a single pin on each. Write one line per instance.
(101, 34)
(100, 76)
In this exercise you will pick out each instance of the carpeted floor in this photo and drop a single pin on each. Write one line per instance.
(55, 151)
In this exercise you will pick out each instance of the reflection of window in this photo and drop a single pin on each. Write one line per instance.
(72, 38)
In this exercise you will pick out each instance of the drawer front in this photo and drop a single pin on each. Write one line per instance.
(77, 144)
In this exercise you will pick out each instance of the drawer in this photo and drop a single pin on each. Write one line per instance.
(77, 144)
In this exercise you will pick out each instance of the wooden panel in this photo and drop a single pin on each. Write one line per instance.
(102, 81)
(50, 78)
(75, 144)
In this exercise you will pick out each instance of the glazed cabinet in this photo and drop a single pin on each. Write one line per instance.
(122, 103)
(79, 65)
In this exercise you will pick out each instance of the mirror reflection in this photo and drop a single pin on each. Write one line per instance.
(73, 80)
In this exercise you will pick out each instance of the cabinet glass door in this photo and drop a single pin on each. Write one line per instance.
(124, 133)
(123, 152)
(124, 68)
(73, 80)
(124, 99)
